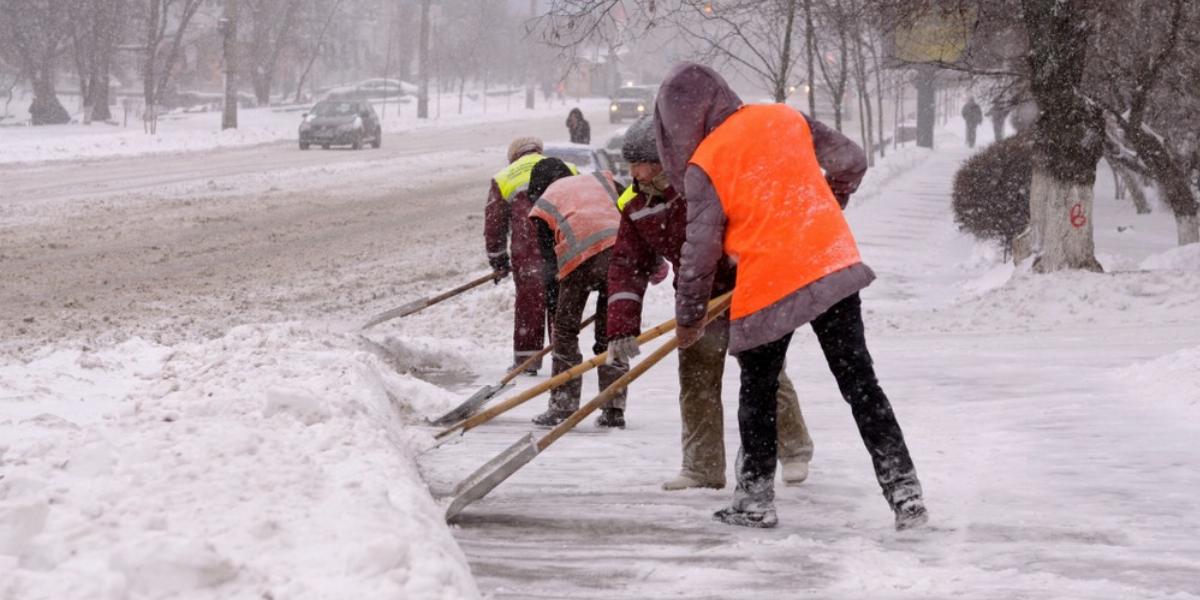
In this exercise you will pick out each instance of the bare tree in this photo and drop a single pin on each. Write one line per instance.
(835, 24)
(96, 27)
(316, 45)
(36, 32)
(270, 27)
(157, 63)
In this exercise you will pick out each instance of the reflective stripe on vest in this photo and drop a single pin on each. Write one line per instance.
(626, 197)
(583, 217)
(783, 225)
(514, 178)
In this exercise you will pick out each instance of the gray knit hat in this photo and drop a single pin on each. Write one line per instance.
(522, 146)
(640, 144)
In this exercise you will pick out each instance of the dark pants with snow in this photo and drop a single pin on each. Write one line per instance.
(573, 291)
(840, 333)
(530, 315)
(971, 134)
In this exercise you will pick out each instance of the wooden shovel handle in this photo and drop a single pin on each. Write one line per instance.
(576, 371)
(419, 305)
(540, 354)
(661, 352)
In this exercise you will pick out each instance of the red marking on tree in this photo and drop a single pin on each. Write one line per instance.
(1078, 219)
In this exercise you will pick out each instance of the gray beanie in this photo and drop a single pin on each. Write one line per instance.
(640, 144)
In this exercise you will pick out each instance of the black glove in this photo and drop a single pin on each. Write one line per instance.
(500, 265)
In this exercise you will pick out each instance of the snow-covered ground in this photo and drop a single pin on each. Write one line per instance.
(190, 132)
(232, 436)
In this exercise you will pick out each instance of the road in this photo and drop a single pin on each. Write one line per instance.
(173, 246)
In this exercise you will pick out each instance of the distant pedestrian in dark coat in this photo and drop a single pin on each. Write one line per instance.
(998, 113)
(581, 130)
(973, 115)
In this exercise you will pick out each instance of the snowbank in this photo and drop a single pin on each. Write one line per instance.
(1168, 383)
(271, 463)
(1183, 258)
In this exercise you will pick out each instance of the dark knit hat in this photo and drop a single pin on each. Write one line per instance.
(546, 172)
(640, 144)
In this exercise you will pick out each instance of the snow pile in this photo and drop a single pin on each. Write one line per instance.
(1169, 382)
(1183, 258)
(271, 463)
(1034, 302)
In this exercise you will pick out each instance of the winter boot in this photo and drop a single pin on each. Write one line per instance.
(530, 371)
(611, 417)
(795, 471)
(911, 514)
(685, 482)
(762, 517)
(552, 417)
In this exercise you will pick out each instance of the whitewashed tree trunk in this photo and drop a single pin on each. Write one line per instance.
(1060, 219)
(1189, 229)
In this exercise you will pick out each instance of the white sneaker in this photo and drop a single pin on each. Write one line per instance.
(794, 472)
(684, 482)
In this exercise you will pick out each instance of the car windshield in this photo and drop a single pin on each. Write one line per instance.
(335, 109)
(581, 157)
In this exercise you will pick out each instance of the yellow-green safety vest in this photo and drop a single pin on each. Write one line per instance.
(514, 178)
(626, 197)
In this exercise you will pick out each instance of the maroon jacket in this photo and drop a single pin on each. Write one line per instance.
(498, 222)
(650, 227)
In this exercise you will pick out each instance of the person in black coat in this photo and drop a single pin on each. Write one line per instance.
(581, 130)
(973, 115)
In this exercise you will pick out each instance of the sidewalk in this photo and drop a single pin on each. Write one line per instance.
(1044, 479)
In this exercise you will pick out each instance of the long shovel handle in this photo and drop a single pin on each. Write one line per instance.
(517, 370)
(576, 371)
(412, 307)
(624, 381)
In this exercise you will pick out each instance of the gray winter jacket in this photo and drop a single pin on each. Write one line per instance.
(692, 102)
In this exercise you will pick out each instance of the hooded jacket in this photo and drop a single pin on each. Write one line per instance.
(693, 102)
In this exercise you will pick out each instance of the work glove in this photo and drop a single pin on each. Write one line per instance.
(622, 350)
(688, 334)
(501, 266)
(660, 273)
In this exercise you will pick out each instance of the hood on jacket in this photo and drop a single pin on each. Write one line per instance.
(692, 101)
(575, 116)
(544, 173)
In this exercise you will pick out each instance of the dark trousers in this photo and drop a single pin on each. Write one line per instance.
(840, 333)
(971, 134)
(573, 291)
(530, 315)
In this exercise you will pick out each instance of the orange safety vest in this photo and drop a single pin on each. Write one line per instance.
(582, 212)
(784, 227)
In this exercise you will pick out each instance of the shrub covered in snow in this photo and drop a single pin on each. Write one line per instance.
(991, 190)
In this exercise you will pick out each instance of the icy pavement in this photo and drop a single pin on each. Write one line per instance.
(1052, 420)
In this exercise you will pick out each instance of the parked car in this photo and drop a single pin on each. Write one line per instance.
(632, 102)
(342, 123)
(613, 148)
(588, 159)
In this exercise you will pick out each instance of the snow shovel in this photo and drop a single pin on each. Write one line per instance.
(487, 392)
(500, 468)
(417, 305)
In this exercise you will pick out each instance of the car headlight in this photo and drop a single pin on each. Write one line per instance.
(305, 126)
(352, 125)
(641, 108)
(614, 108)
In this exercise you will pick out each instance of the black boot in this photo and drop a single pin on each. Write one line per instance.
(611, 417)
(552, 417)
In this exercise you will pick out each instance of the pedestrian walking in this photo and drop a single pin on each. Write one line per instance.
(973, 115)
(578, 127)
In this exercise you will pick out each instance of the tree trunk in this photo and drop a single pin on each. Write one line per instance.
(45, 108)
(925, 80)
(229, 113)
(1068, 137)
(1189, 229)
(810, 46)
(1136, 192)
(423, 63)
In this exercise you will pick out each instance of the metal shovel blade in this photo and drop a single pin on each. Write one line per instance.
(492, 474)
(394, 313)
(470, 405)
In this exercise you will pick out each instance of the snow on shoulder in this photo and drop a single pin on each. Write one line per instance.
(273, 462)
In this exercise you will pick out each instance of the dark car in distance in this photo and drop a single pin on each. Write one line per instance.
(632, 102)
(341, 123)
